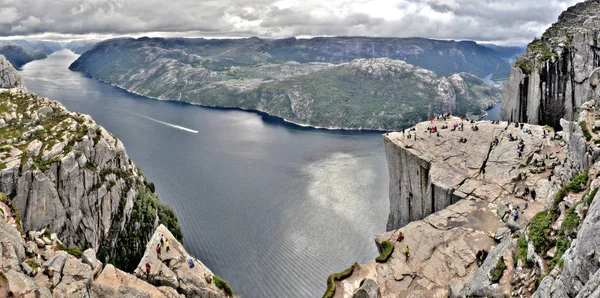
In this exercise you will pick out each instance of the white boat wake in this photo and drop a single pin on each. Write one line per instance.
(168, 124)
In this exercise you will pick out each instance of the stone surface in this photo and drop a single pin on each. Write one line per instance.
(12, 250)
(431, 173)
(369, 289)
(502, 233)
(19, 283)
(9, 77)
(481, 285)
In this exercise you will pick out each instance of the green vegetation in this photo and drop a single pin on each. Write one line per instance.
(521, 253)
(572, 220)
(223, 285)
(591, 196)
(586, 132)
(337, 277)
(388, 248)
(497, 272)
(575, 186)
(3, 279)
(73, 250)
(539, 231)
(33, 264)
(562, 244)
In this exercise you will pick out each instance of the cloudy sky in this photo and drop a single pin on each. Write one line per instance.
(504, 21)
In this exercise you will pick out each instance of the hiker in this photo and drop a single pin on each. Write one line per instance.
(147, 271)
(167, 244)
(516, 214)
(162, 240)
(400, 237)
(415, 136)
(526, 191)
(479, 257)
(438, 134)
(533, 194)
(158, 250)
(191, 261)
(407, 252)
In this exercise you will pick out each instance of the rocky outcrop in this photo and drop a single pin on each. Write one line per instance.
(550, 81)
(431, 173)
(9, 78)
(66, 275)
(449, 199)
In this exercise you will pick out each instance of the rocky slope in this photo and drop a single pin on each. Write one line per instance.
(41, 266)
(365, 93)
(448, 208)
(9, 77)
(550, 81)
(64, 172)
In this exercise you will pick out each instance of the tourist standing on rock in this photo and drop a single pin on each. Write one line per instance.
(162, 240)
(158, 250)
(479, 257)
(533, 194)
(147, 271)
(415, 136)
(407, 252)
(516, 214)
(167, 244)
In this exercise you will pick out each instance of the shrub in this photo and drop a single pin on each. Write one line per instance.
(496, 273)
(521, 253)
(571, 221)
(388, 248)
(223, 285)
(575, 184)
(73, 250)
(586, 132)
(33, 264)
(562, 244)
(591, 196)
(3, 279)
(167, 217)
(539, 231)
(337, 277)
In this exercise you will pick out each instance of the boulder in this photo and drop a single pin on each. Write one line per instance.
(12, 250)
(368, 289)
(89, 257)
(57, 262)
(47, 240)
(481, 284)
(502, 233)
(40, 243)
(33, 149)
(76, 280)
(19, 283)
(48, 254)
(455, 289)
(32, 248)
(27, 269)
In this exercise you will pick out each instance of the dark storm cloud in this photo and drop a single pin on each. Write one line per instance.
(499, 20)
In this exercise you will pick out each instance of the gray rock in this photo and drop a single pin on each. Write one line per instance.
(32, 248)
(9, 77)
(89, 257)
(33, 149)
(56, 263)
(502, 233)
(12, 250)
(19, 283)
(591, 288)
(40, 243)
(27, 269)
(481, 285)
(455, 289)
(368, 289)
(46, 241)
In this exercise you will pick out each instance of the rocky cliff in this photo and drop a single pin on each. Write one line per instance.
(9, 77)
(41, 266)
(550, 81)
(64, 172)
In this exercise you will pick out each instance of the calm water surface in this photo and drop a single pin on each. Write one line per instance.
(270, 207)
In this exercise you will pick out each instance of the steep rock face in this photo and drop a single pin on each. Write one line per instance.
(64, 172)
(550, 81)
(431, 173)
(9, 78)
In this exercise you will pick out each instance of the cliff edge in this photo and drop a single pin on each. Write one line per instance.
(550, 81)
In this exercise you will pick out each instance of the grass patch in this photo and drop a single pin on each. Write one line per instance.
(497, 272)
(337, 277)
(73, 250)
(3, 279)
(586, 132)
(33, 264)
(521, 253)
(388, 248)
(572, 220)
(562, 244)
(223, 285)
(591, 196)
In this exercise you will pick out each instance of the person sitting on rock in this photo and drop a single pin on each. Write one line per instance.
(479, 257)
(400, 237)
(516, 214)
(526, 192)
(407, 252)
(191, 261)
(147, 271)
(533, 194)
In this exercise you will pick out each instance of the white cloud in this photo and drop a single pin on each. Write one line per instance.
(490, 20)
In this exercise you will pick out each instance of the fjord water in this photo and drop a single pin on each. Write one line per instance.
(270, 207)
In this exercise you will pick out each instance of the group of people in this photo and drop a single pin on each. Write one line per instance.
(521, 148)
(462, 140)
(512, 211)
(406, 249)
(163, 242)
(481, 256)
(528, 192)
